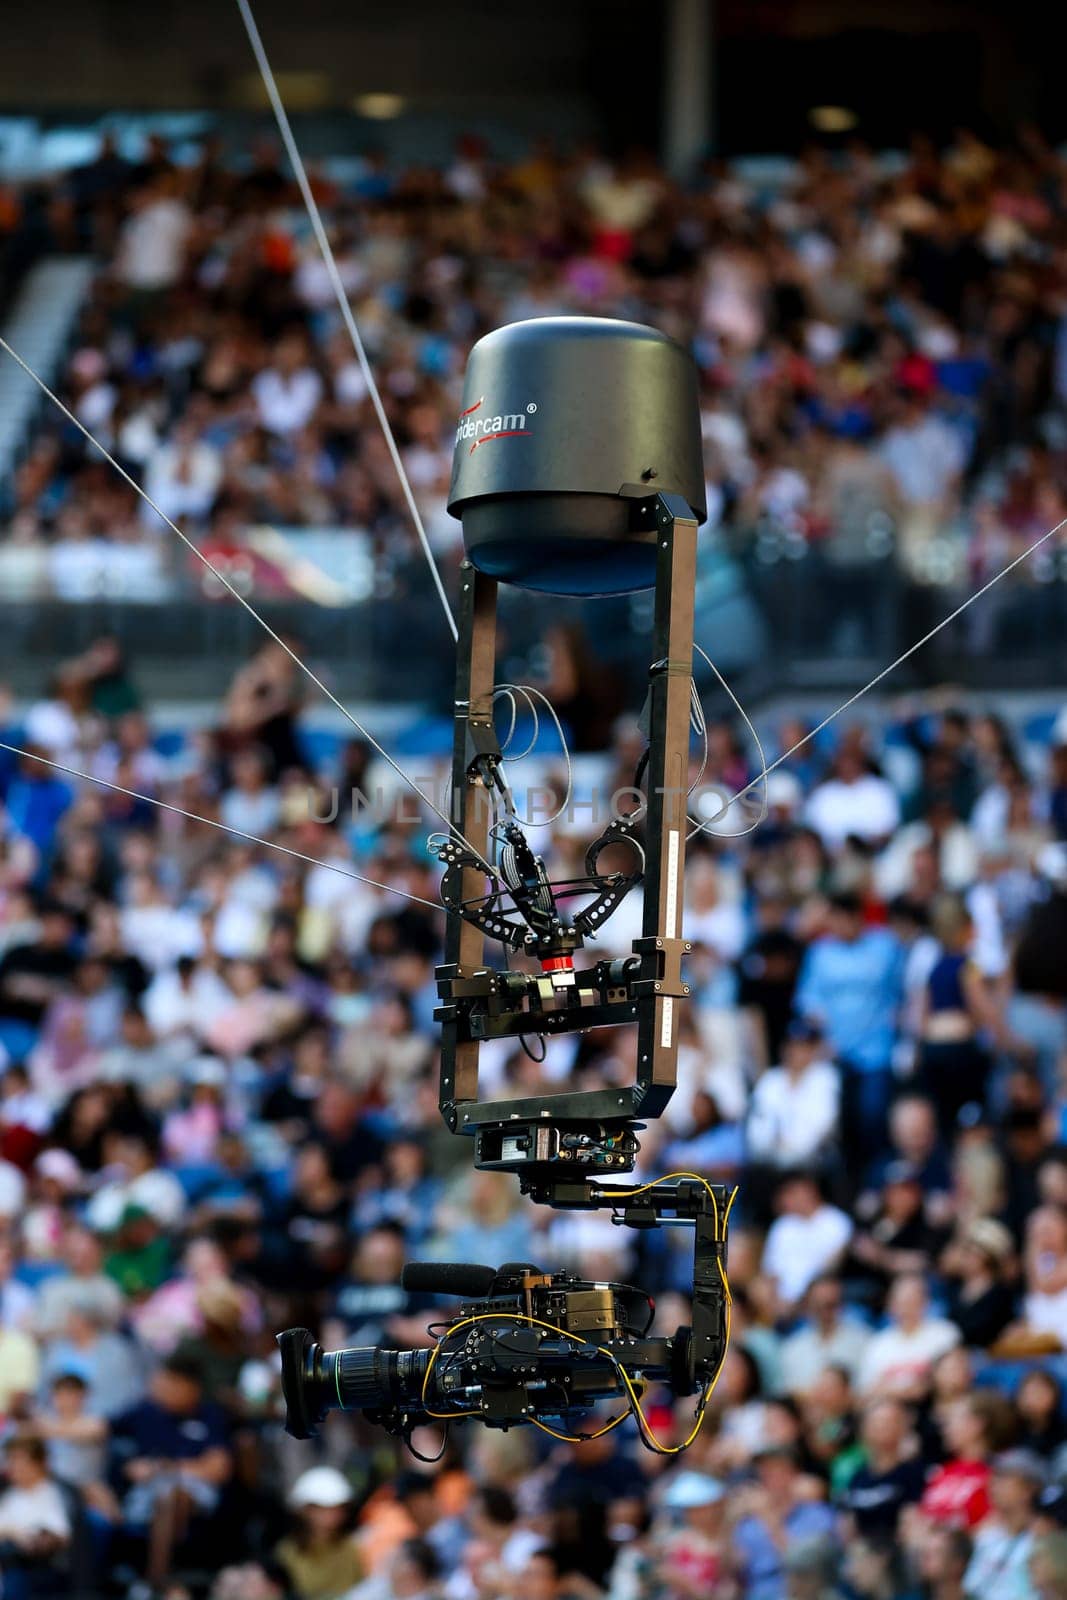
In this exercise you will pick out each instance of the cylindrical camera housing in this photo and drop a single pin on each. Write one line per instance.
(569, 427)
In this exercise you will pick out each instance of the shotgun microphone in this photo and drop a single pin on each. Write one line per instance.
(463, 1279)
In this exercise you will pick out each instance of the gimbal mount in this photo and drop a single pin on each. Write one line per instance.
(590, 1132)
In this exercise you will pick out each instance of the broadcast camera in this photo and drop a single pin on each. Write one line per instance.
(578, 470)
(528, 1346)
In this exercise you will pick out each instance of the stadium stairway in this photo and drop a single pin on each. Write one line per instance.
(38, 327)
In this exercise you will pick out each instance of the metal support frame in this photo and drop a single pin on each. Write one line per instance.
(469, 807)
(652, 995)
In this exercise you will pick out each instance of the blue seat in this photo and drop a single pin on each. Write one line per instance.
(322, 748)
(169, 743)
(1038, 728)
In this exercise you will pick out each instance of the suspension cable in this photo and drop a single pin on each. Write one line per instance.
(709, 826)
(209, 822)
(300, 173)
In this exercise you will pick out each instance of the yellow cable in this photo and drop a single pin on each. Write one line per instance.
(702, 1404)
(697, 1177)
(705, 1397)
(583, 1438)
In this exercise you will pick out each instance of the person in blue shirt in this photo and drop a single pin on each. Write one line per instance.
(36, 800)
(171, 1461)
(852, 979)
(774, 1515)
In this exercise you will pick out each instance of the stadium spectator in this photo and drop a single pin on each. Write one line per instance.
(829, 1339)
(974, 1426)
(695, 1555)
(320, 1556)
(793, 1113)
(892, 1474)
(807, 1238)
(897, 1361)
(774, 1512)
(943, 1559)
(170, 1462)
(1004, 1540)
(980, 1298)
(35, 1524)
(852, 982)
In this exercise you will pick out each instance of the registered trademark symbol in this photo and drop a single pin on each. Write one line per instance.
(532, 406)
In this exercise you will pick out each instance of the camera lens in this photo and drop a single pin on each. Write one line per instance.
(368, 1377)
(315, 1381)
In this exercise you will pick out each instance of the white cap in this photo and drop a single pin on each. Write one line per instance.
(60, 1166)
(783, 789)
(206, 1070)
(692, 1489)
(320, 1486)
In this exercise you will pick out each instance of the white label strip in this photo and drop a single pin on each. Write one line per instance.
(668, 1023)
(670, 919)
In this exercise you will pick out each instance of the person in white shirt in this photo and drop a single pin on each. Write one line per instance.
(713, 916)
(898, 1360)
(925, 455)
(12, 1190)
(183, 476)
(827, 1339)
(853, 802)
(251, 804)
(185, 998)
(54, 723)
(152, 242)
(287, 394)
(137, 1182)
(806, 1239)
(794, 1108)
(158, 931)
(34, 1522)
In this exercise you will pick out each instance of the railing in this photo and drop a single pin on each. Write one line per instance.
(785, 621)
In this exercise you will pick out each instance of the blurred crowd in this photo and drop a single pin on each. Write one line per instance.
(882, 346)
(218, 1118)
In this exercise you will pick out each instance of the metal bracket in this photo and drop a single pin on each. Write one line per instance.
(654, 986)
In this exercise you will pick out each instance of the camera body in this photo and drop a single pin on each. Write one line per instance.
(525, 1345)
(537, 1345)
